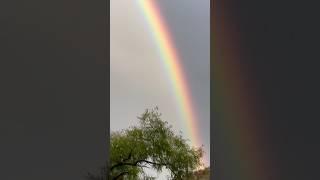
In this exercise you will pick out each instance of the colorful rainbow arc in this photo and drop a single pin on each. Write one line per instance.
(172, 63)
(239, 116)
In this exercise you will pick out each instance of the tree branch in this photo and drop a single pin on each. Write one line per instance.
(150, 162)
(122, 162)
(136, 163)
(121, 174)
(129, 157)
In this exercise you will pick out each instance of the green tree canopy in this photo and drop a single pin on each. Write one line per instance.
(151, 144)
(202, 174)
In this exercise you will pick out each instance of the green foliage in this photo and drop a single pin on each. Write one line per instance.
(152, 144)
(202, 174)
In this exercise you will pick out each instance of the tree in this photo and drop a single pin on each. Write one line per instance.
(154, 145)
(202, 174)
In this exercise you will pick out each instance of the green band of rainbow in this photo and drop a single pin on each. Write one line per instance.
(172, 63)
(239, 117)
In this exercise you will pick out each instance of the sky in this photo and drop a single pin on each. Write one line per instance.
(138, 79)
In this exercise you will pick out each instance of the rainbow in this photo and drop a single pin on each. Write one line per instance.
(173, 66)
(240, 152)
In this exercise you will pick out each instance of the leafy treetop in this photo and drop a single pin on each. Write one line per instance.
(152, 144)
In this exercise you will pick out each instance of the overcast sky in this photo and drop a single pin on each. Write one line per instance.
(138, 79)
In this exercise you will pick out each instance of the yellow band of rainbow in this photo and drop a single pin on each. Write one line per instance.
(172, 63)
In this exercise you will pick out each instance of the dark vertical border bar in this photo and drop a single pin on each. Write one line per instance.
(108, 83)
(212, 152)
(54, 76)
